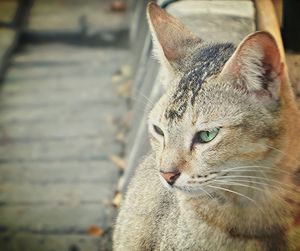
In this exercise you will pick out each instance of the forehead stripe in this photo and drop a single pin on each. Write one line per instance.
(208, 61)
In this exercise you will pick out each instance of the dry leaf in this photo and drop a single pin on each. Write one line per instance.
(118, 5)
(118, 161)
(95, 231)
(121, 137)
(123, 89)
(117, 199)
(126, 70)
(116, 78)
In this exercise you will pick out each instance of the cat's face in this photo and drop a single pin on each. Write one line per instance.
(223, 133)
(217, 125)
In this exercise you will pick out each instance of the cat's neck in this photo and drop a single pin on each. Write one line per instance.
(250, 220)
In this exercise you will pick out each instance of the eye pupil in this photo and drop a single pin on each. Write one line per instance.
(158, 130)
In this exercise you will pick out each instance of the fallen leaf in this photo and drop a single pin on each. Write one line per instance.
(117, 199)
(95, 231)
(124, 88)
(116, 78)
(121, 137)
(118, 161)
(126, 70)
(118, 5)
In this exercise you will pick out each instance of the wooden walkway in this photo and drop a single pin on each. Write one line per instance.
(59, 117)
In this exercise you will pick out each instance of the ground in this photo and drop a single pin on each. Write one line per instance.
(62, 108)
(59, 117)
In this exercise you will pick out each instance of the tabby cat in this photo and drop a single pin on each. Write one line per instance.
(224, 173)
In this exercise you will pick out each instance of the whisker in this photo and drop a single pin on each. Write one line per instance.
(263, 167)
(144, 110)
(235, 182)
(209, 195)
(237, 193)
(251, 170)
(282, 152)
(249, 181)
(259, 178)
(145, 97)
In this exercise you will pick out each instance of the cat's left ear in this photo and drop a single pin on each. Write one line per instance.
(256, 67)
(173, 42)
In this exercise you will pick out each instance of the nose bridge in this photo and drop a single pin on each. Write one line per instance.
(171, 159)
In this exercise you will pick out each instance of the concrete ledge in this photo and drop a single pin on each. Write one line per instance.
(216, 20)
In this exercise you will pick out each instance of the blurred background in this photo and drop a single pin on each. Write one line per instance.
(77, 80)
(65, 76)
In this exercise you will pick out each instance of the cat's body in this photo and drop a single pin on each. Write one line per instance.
(225, 170)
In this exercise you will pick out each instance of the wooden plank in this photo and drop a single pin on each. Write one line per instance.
(98, 113)
(55, 219)
(51, 242)
(62, 54)
(47, 95)
(61, 129)
(67, 16)
(66, 193)
(71, 172)
(278, 5)
(65, 150)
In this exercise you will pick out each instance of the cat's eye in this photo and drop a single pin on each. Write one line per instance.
(206, 136)
(158, 130)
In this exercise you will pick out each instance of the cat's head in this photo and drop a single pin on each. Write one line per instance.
(218, 125)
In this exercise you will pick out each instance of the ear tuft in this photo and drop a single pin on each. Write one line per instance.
(255, 65)
(172, 41)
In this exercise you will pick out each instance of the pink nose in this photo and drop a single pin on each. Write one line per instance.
(170, 177)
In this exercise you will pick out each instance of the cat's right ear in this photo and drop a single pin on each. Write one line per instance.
(173, 42)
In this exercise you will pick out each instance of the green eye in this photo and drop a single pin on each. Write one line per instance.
(206, 136)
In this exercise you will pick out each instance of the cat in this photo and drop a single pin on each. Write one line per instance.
(224, 173)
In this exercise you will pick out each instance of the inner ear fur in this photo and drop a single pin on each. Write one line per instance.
(256, 65)
(172, 40)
